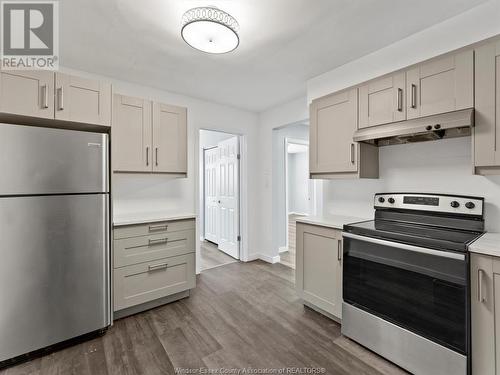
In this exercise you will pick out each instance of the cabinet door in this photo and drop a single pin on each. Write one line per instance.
(27, 93)
(169, 138)
(441, 85)
(483, 283)
(382, 101)
(487, 106)
(82, 100)
(334, 119)
(131, 134)
(319, 267)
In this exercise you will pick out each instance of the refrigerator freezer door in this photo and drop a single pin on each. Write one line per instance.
(54, 270)
(52, 161)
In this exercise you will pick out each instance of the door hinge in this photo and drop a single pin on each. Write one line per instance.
(239, 238)
(238, 156)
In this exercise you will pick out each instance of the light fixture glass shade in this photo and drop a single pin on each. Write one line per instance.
(210, 29)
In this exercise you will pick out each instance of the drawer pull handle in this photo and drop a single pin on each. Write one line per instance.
(158, 241)
(153, 228)
(155, 267)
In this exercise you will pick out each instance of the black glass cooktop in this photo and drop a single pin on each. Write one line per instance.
(415, 234)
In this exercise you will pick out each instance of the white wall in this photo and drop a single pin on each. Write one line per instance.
(298, 182)
(144, 192)
(469, 27)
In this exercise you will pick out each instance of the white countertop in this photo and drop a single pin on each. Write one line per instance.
(149, 217)
(487, 244)
(330, 221)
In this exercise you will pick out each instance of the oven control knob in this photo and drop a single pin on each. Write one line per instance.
(381, 199)
(455, 204)
(391, 200)
(470, 205)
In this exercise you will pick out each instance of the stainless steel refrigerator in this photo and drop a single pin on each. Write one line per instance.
(54, 237)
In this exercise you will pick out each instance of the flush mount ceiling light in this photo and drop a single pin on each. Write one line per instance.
(210, 29)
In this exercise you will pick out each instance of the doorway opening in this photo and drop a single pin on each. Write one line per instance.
(297, 193)
(220, 204)
(293, 191)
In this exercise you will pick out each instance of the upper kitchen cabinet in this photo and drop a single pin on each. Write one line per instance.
(46, 95)
(131, 134)
(148, 136)
(27, 93)
(382, 101)
(487, 107)
(332, 152)
(441, 85)
(82, 100)
(169, 139)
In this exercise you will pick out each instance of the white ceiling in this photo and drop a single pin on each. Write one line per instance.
(283, 43)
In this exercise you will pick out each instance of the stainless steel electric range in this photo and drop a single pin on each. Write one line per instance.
(406, 280)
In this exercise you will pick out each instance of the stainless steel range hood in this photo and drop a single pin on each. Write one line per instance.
(446, 125)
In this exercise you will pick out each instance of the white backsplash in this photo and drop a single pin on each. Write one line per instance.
(431, 167)
(151, 193)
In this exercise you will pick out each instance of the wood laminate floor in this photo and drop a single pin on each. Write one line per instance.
(212, 257)
(240, 315)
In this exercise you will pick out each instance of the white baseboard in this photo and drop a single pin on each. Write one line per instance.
(269, 259)
(264, 257)
(283, 249)
(251, 257)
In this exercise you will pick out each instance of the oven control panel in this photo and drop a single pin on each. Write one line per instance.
(431, 202)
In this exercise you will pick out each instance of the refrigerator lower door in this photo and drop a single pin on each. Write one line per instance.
(54, 270)
(52, 161)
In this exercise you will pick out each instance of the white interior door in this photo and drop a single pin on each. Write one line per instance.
(211, 199)
(229, 208)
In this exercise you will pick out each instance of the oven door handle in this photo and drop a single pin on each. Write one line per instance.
(402, 246)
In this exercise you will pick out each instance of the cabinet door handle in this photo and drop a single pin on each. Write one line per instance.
(153, 228)
(45, 99)
(60, 99)
(413, 95)
(147, 156)
(352, 153)
(156, 156)
(155, 267)
(339, 250)
(480, 296)
(158, 241)
(400, 100)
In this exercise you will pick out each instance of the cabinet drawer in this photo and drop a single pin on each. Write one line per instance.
(152, 228)
(133, 250)
(145, 282)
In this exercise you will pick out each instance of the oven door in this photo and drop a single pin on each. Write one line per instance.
(422, 290)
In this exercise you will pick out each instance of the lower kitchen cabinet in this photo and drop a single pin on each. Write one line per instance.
(319, 268)
(485, 314)
(152, 264)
